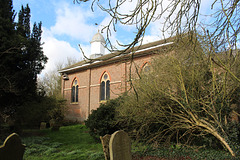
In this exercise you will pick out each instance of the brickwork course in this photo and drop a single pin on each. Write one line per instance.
(89, 74)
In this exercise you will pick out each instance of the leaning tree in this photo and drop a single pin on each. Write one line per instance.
(219, 41)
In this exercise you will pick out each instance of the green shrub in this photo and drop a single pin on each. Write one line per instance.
(103, 120)
(41, 109)
(183, 97)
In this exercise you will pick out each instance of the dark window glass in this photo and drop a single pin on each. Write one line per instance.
(105, 87)
(146, 69)
(108, 90)
(73, 94)
(76, 93)
(102, 91)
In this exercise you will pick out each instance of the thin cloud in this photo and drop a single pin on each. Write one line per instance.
(72, 20)
(57, 51)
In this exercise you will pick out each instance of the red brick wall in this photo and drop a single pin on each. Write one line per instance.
(118, 72)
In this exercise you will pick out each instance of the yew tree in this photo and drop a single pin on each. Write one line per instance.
(21, 57)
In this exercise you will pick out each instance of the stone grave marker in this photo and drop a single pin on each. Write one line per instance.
(52, 123)
(105, 144)
(43, 125)
(120, 146)
(12, 148)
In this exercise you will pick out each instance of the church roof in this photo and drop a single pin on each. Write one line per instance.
(142, 50)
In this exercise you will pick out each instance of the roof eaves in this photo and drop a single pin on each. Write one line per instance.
(85, 63)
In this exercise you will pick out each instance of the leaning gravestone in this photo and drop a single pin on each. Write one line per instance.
(12, 148)
(105, 144)
(120, 146)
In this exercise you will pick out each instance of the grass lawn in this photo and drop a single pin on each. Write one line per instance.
(69, 143)
(74, 143)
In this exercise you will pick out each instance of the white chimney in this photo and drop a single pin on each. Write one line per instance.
(97, 46)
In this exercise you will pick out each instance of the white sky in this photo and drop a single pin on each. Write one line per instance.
(65, 25)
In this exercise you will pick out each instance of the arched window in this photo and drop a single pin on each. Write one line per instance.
(105, 87)
(146, 68)
(74, 95)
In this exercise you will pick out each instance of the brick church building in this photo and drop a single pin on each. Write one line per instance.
(87, 84)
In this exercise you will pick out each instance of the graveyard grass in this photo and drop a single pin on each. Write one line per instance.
(69, 143)
(75, 143)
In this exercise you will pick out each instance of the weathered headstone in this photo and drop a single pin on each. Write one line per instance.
(120, 146)
(12, 148)
(52, 123)
(105, 144)
(43, 125)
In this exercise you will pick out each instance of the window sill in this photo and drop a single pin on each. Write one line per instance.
(103, 101)
(74, 103)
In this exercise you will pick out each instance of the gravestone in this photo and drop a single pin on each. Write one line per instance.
(43, 125)
(52, 123)
(12, 148)
(120, 146)
(105, 144)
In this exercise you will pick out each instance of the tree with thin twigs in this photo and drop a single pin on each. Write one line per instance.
(187, 92)
(50, 82)
(176, 17)
(188, 96)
